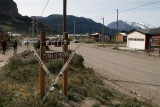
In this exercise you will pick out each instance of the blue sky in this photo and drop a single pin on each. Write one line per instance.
(94, 8)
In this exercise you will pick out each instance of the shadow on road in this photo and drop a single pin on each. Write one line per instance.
(131, 82)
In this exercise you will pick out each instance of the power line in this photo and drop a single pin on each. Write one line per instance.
(120, 11)
(139, 6)
(37, 18)
(44, 7)
(100, 17)
(127, 9)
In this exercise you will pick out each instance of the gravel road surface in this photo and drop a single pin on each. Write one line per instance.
(130, 72)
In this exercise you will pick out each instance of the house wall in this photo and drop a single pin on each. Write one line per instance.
(106, 37)
(120, 38)
(136, 40)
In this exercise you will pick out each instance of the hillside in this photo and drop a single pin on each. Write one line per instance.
(12, 21)
(127, 26)
(83, 25)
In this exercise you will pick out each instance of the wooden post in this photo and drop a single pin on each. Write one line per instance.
(42, 72)
(0, 38)
(64, 15)
(65, 47)
(103, 31)
(117, 28)
(65, 75)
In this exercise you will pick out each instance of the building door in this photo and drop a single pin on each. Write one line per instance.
(136, 43)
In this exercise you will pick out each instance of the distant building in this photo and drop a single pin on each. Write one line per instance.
(78, 36)
(97, 36)
(16, 35)
(121, 37)
(141, 39)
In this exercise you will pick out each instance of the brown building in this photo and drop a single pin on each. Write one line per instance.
(98, 37)
(121, 37)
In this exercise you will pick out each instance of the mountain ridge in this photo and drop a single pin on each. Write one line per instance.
(127, 26)
(11, 20)
(82, 24)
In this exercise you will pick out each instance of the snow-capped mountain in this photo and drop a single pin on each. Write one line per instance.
(139, 25)
(127, 26)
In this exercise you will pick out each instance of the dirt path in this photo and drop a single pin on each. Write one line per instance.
(132, 73)
(9, 53)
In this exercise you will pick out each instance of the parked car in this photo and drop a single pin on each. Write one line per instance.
(75, 40)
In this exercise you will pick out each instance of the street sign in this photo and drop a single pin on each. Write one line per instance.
(55, 55)
(57, 43)
(41, 62)
(47, 72)
(53, 85)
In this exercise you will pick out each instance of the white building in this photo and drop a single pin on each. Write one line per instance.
(139, 39)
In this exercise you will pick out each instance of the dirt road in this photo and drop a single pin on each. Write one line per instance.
(130, 72)
(9, 53)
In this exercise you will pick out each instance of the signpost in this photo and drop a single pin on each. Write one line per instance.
(55, 55)
(43, 68)
(53, 85)
(65, 47)
(57, 43)
(154, 45)
(43, 56)
(0, 37)
(42, 72)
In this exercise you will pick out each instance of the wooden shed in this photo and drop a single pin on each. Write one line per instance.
(121, 37)
(97, 36)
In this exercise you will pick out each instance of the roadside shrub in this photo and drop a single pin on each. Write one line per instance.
(15, 63)
(77, 61)
(75, 97)
(20, 70)
(37, 45)
(6, 95)
(133, 103)
(54, 66)
(23, 74)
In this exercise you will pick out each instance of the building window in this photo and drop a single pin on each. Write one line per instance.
(134, 39)
(131, 39)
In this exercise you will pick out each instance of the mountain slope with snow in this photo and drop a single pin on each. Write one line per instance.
(127, 26)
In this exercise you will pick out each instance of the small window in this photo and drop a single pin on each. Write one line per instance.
(140, 39)
(131, 39)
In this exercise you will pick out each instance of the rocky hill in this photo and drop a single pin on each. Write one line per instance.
(12, 21)
(8, 7)
(82, 25)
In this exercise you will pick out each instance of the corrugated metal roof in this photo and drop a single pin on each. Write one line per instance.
(145, 31)
(155, 31)
(124, 34)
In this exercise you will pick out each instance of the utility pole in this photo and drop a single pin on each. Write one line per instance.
(32, 26)
(65, 48)
(74, 29)
(37, 29)
(58, 29)
(103, 31)
(117, 29)
(0, 36)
